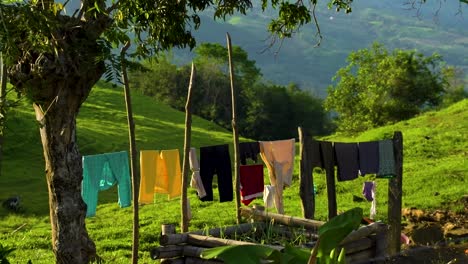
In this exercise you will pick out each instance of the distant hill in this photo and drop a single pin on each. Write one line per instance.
(390, 22)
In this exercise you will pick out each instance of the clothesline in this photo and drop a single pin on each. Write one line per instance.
(161, 172)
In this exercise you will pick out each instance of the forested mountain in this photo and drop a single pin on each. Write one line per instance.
(436, 26)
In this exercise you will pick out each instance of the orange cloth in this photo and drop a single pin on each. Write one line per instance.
(160, 173)
(148, 163)
(279, 159)
(169, 176)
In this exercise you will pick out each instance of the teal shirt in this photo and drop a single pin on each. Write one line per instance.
(102, 171)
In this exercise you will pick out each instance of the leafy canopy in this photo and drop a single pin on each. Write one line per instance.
(378, 87)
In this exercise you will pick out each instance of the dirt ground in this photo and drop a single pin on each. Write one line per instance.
(439, 236)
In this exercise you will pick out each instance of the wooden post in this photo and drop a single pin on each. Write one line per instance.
(187, 142)
(133, 155)
(167, 229)
(306, 189)
(234, 131)
(3, 83)
(395, 193)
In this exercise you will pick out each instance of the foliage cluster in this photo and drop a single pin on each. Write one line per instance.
(265, 111)
(379, 87)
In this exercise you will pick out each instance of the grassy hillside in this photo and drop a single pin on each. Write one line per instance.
(434, 161)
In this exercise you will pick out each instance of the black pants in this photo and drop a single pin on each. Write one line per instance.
(216, 160)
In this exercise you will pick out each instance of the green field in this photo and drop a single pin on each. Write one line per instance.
(435, 173)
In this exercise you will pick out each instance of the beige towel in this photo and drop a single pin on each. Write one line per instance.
(279, 159)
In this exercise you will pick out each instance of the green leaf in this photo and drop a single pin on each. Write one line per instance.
(294, 255)
(335, 230)
(245, 254)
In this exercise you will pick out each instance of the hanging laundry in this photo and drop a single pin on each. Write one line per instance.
(347, 161)
(386, 159)
(168, 173)
(368, 190)
(279, 159)
(160, 173)
(102, 171)
(196, 181)
(315, 154)
(251, 180)
(269, 196)
(248, 150)
(216, 160)
(148, 168)
(310, 158)
(368, 157)
(328, 159)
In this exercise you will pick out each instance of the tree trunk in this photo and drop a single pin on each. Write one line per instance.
(58, 82)
(63, 168)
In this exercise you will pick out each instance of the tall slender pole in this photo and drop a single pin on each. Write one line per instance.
(187, 142)
(306, 186)
(234, 132)
(133, 155)
(395, 193)
(3, 82)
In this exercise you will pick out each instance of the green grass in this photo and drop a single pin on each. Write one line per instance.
(431, 165)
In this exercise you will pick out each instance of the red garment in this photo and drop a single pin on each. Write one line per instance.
(251, 179)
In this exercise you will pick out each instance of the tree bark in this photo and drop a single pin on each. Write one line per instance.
(235, 133)
(133, 155)
(3, 83)
(63, 168)
(58, 83)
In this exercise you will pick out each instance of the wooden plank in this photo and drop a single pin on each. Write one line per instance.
(210, 242)
(361, 256)
(358, 245)
(173, 239)
(234, 132)
(306, 186)
(364, 231)
(171, 251)
(395, 193)
(187, 142)
(173, 261)
(193, 260)
(282, 219)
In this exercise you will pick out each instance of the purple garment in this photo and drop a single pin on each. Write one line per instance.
(368, 157)
(367, 190)
(347, 161)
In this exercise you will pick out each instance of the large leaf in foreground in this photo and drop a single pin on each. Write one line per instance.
(245, 254)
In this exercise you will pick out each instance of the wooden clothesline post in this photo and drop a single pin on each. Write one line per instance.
(187, 143)
(133, 155)
(395, 190)
(395, 193)
(306, 189)
(234, 132)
